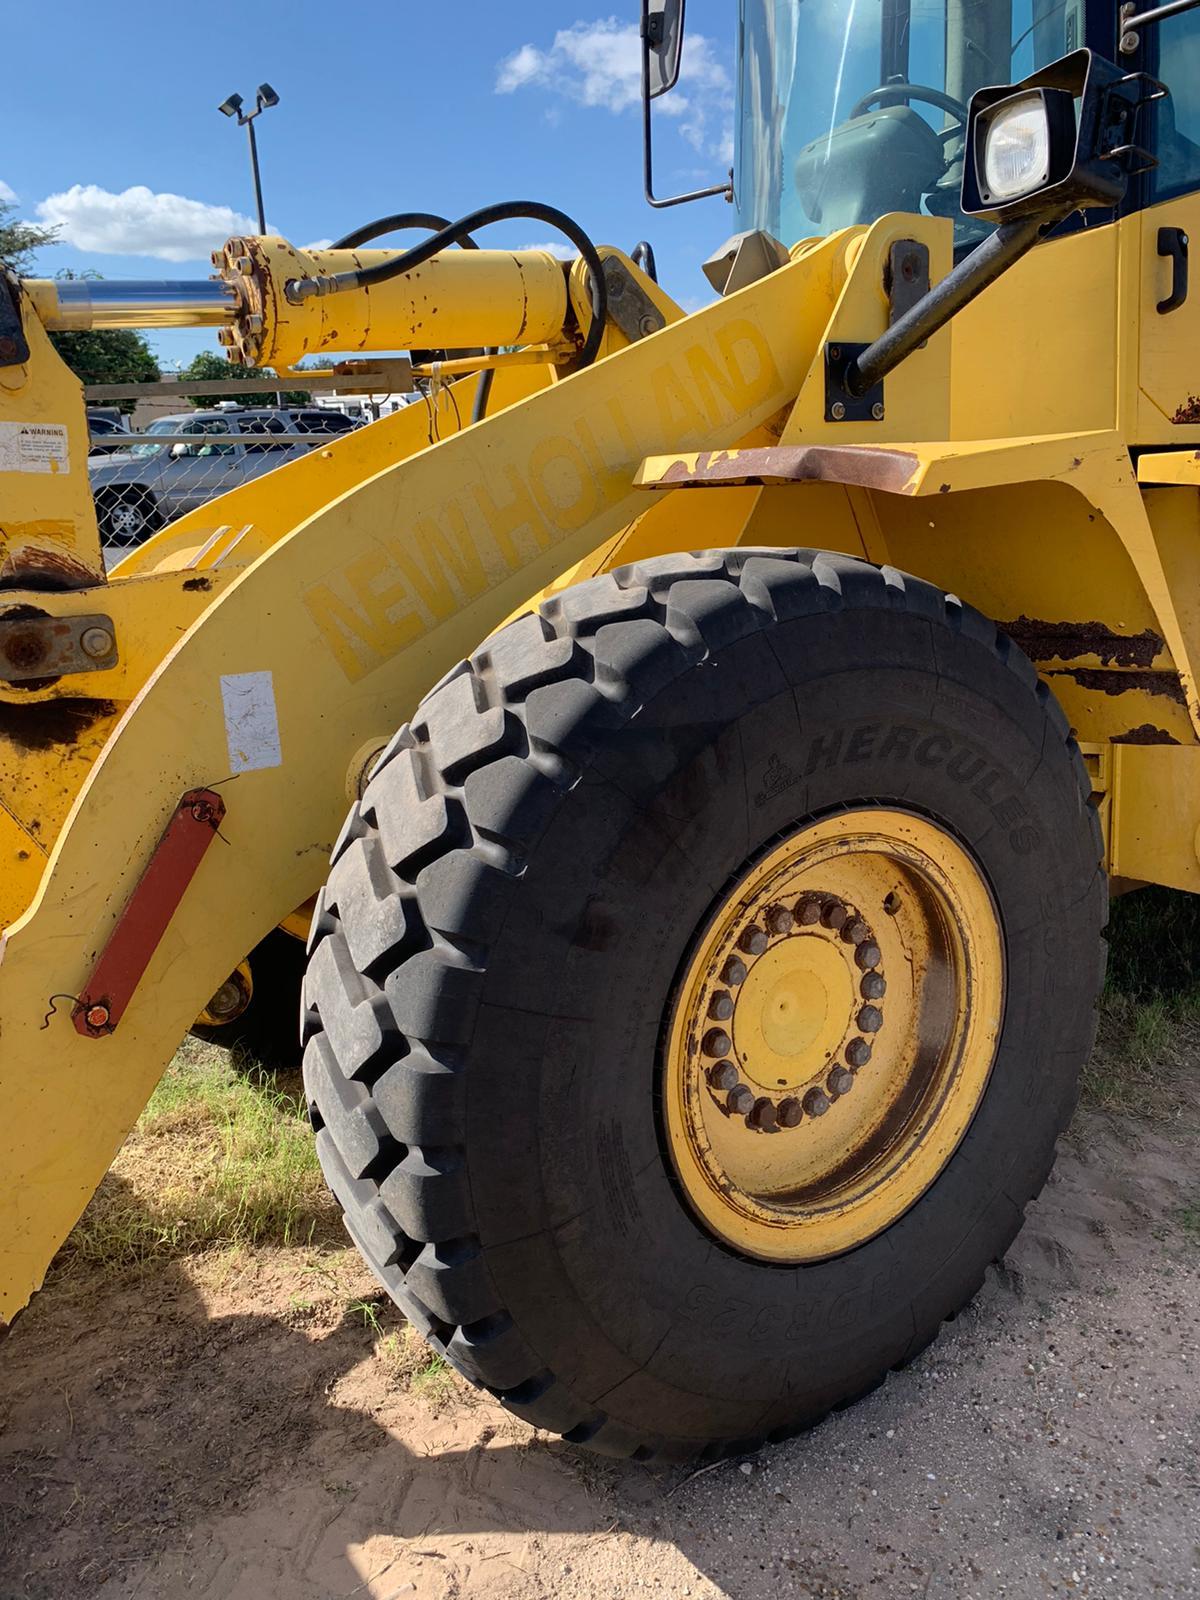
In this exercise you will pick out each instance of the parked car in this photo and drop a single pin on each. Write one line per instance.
(108, 424)
(145, 485)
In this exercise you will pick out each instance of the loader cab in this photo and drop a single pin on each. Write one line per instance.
(849, 109)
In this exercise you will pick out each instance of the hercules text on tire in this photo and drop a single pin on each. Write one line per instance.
(699, 989)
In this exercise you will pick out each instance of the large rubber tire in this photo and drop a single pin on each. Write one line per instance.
(506, 916)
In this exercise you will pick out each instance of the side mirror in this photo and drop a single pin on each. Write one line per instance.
(662, 31)
(662, 49)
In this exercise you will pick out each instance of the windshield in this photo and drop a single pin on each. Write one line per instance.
(177, 425)
(853, 108)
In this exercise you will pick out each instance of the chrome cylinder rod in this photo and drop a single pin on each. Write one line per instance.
(67, 304)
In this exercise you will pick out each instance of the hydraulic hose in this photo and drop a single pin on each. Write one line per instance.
(435, 224)
(300, 289)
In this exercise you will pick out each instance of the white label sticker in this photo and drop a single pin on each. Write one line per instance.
(251, 721)
(33, 447)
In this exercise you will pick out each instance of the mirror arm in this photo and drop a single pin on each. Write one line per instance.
(725, 189)
(1131, 20)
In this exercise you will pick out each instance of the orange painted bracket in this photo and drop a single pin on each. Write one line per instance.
(151, 906)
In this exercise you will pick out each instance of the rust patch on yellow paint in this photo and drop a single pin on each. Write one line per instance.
(1145, 733)
(1068, 641)
(860, 466)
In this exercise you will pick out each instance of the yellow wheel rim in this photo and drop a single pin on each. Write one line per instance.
(833, 1034)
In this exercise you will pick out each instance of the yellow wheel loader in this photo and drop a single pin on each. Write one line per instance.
(698, 747)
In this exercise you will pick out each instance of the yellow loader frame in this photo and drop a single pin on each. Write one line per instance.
(337, 590)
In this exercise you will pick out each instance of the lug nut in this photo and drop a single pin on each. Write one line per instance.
(717, 1042)
(833, 914)
(877, 411)
(839, 1082)
(762, 1115)
(855, 931)
(808, 911)
(739, 1100)
(873, 986)
(733, 972)
(816, 1102)
(858, 1052)
(867, 954)
(870, 1019)
(96, 642)
(720, 1007)
(753, 941)
(789, 1112)
(780, 920)
(723, 1075)
(837, 411)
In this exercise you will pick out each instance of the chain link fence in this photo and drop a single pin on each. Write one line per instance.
(144, 478)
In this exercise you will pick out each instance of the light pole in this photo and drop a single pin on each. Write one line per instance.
(232, 107)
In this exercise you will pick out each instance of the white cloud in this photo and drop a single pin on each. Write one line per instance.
(318, 244)
(599, 64)
(553, 247)
(138, 222)
(8, 196)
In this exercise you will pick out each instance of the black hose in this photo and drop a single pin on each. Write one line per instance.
(453, 233)
(642, 255)
(393, 224)
(431, 221)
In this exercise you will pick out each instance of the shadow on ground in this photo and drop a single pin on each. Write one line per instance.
(183, 1437)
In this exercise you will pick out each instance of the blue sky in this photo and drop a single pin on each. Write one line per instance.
(385, 105)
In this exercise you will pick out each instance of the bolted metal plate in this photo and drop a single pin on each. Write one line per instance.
(629, 306)
(39, 646)
(906, 278)
(840, 404)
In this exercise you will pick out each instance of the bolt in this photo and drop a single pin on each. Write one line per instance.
(762, 1115)
(25, 651)
(835, 352)
(870, 1019)
(877, 411)
(97, 1016)
(839, 1082)
(96, 642)
(780, 920)
(720, 1007)
(217, 258)
(816, 1102)
(873, 986)
(244, 265)
(808, 911)
(648, 324)
(833, 914)
(858, 1053)
(202, 811)
(722, 1075)
(254, 322)
(837, 411)
(229, 999)
(225, 336)
(739, 1100)
(753, 941)
(717, 1042)
(734, 971)
(789, 1112)
(855, 931)
(867, 955)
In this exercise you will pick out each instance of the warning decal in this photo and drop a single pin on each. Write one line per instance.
(33, 447)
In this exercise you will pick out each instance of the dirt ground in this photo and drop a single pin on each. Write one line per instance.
(227, 1430)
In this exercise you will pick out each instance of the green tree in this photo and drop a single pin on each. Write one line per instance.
(211, 364)
(108, 355)
(18, 240)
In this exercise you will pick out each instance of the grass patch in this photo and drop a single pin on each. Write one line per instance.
(405, 1356)
(1188, 1217)
(221, 1157)
(1150, 1006)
